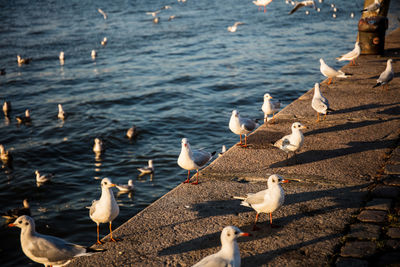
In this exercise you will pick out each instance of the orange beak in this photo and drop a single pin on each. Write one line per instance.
(285, 181)
(11, 225)
(113, 185)
(244, 234)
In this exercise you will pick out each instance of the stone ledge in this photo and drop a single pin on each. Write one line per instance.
(358, 249)
(372, 216)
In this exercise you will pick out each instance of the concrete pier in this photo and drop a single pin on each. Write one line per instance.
(342, 158)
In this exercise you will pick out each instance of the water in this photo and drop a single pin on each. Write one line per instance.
(175, 79)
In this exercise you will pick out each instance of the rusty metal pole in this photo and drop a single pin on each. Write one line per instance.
(372, 28)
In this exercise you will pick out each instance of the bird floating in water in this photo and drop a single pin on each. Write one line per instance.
(61, 113)
(319, 103)
(229, 254)
(266, 201)
(5, 156)
(270, 107)
(241, 126)
(351, 15)
(330, 72)
(104, 42)
(153, 13)
(301, 4)
(261, 3)
(352, 55)
(171, 17)
(61, 57)
(193, 159)
(385, 76)
(41, 179)
(45, 249)
(149, 169)
(94, 54)
(293, 141)
(16, 212)
(156, 20)
(106, 209)
(166, 7)
(22, 61)
(234, 27)
(24, 119)
(132, 132)
(103, 13)
(7, 108)
(98, 146)
(125, 188)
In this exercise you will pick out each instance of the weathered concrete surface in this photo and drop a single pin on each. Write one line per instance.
(338, 161)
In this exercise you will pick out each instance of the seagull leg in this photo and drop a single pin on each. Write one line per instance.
(240, 144)
(330, 81)
(255, 228)
(98, 240)
(111, 238)
(317, 117)
(187, 180)
(324, 117)
(245, 141)
(270, 222)
(197, 178)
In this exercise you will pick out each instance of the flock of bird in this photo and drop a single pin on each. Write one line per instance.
(51, 251)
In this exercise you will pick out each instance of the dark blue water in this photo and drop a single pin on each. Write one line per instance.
(175, 79)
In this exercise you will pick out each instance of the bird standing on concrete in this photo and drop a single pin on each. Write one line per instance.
(106, 209)
(266, 201)
(352, 55)
(375, 6)
(229, 254)
(261, 3)
(16, 212)
(330, 72)
(302, 4)
(385, 76)
(319, 103)
(45, 249)
(192, 159)
(270, 107)
(293, 141)
(241, 126)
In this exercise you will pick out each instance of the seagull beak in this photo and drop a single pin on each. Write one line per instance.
(11, 225)
(244, 234)
(304, 127)
(113, 185)
(285, 181)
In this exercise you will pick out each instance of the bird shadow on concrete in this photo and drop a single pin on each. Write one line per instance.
(363, 107)
(218, 208)
(311, 156)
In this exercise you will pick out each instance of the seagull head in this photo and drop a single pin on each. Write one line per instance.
(321, 61)
(130, 182)
(390, 61)
(185, 142)
(235, 113)
(316, 86)
(107, 183)
(23, 222)
(267, 96)
(298, 126)
(27, 114)
(37, 173)
(97, 141)
(150, 163)
(230, 233)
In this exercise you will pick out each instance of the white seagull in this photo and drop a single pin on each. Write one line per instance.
(103, 13)
(132, 132)
(106, 209)
(61, 113)
(240, 126)
(41, 179)
(45, 249)
(319, 103)
(352, 55)
(24, 119)
(125, 188)
(5, 155)
(94, 54)
(261, 3)
(266, 201)
(385, 76)
(234, 27)
(6, 108)
(61, 57)
(104, 42)
(303, 4)
(375, 6)
(192, 159)
(330, 72)
(22, 61)
(270, 107)
(229, 254)
(147, 169)
(98, 146)
(293, 141)
(153, 13)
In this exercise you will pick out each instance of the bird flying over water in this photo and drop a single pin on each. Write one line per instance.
(234, 27)
(303, 4)
(103, 13)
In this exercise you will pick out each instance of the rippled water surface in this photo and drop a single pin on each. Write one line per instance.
(175, 79)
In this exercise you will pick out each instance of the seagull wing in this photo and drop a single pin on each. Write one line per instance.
(296, 7)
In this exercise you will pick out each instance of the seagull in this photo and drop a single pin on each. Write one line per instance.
(319, 103)
(22, 61)
(335, 9)
(15, 213)
(193, 159)
(98, 146)
(293, 141)
(45, 249)
(223, 150)
(239, 126)
(106, 209)
(104, 42)
(303, 4)
(61, 57)
(125, 188)
(234, 27)
(375, 6)
(330, 72)
(229, 254)
(352, 55)
(334, 15)
(147, 169)
(154, 13)
(24, 119)
(171, 17)
(132, 132)
(156, 20)
(61, 113)
(103, 13)
(166, 7)
(94, 54)
(351, 15)
(270, 107)
(41, 179)
(5, 155)
(266, 201)
(261, 3)
(385, 76)
(6, 108)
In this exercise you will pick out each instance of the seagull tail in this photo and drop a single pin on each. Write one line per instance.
(94, 250)
(364, 10)
(377, 84)
(343, 75)
(236, 197)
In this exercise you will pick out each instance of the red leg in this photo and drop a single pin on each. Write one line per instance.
(197, 178)
(329, 81)
(187, 180)
(98, 240)
(317, 117)
(112, 239)
(255, 228)
(239, 144)
(245, 141)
